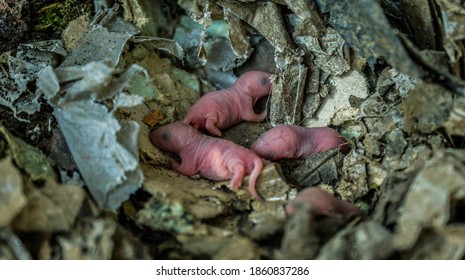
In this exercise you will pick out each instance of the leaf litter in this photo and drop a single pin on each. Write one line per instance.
(82, 180)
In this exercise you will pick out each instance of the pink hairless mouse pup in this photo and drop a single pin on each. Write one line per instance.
(297, 142)
(223, 108)
(322, 202)
(213, 158)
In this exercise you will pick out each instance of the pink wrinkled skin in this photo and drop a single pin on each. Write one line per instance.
(297, 142)
(221, 109)
(323, 203)
(214, 159)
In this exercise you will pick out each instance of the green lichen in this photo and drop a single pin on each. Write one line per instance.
(28, 158)
(50, 18)
(374, 186)
(58, 15)
(163, 216)
(363, 206)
